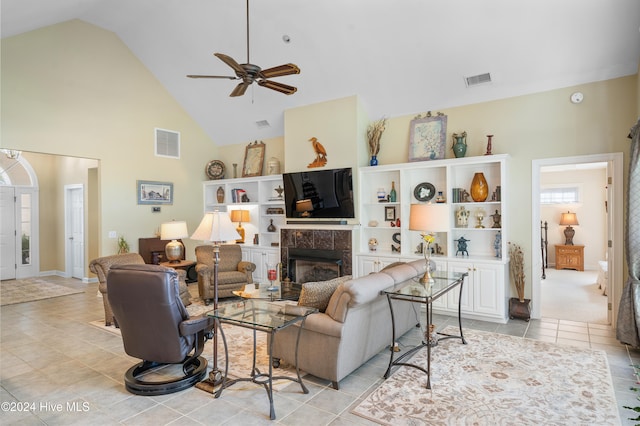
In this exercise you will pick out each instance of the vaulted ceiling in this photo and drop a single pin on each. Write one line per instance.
(400, 56)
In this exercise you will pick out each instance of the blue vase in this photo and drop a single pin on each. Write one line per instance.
(374, 161)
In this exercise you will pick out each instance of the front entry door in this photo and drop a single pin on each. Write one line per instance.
(7, 233)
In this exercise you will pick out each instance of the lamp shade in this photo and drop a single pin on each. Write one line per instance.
(429, 217)
(240, 216)
(173, 230)
(304, 206)
(569, 219)
(217, 227)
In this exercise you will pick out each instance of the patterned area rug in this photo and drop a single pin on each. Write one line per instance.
(31, 289)
(240, 345)
(496, 380)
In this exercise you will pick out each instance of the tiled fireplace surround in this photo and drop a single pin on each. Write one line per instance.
(338, 241)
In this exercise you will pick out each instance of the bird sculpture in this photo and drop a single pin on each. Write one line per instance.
(321, 154)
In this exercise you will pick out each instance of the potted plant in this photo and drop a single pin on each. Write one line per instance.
(519, 307)
(123, 245)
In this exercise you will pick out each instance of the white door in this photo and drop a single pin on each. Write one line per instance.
(7, 233)
(74, 207)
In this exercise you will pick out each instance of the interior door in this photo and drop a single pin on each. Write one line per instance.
(7, 233)
(75, 230)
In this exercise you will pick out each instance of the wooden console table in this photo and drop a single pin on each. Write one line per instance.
(570, 257)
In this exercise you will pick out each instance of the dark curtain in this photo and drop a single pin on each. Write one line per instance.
(629, 313)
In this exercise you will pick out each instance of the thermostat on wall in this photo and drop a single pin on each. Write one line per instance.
(577, 97)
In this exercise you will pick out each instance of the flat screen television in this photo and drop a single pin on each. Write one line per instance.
(319, 194)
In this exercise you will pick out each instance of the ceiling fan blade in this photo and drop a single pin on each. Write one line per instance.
(280, 87)
(212, 76)
(232, 63)
(280, 70)
(240, 89)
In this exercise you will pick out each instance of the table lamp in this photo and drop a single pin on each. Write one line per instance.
(568, 219)
(429, 218)
(215, 227)
(239, 216)
(173, 231)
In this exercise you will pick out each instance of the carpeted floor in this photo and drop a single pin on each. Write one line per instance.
(497, 379)
(31, 289)
(573, 295)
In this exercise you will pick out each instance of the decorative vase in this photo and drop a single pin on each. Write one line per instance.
(459, 144)
(374, 161)
(479, 187)
(220, 195)
(271, 227)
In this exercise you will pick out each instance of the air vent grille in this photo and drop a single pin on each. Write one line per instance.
(262, 124)
(475, 80)
(167, 143)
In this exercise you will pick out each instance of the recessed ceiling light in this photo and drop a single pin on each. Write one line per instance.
(286, 38)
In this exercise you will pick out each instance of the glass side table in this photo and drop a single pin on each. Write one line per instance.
(415, 292)
(266, 316)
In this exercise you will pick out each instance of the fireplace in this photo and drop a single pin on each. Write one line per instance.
(315, 254)
(314, 265)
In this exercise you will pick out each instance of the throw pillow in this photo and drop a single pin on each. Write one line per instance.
(317, 294)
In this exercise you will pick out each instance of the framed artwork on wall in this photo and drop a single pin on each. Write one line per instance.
(152, 193)
(428, 137)
(253, 159)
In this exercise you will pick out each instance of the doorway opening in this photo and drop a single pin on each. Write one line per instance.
(610, 225)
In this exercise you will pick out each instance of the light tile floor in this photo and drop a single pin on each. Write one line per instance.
(59, 370)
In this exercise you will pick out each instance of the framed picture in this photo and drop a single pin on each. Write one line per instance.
(253, 159)
(428, 138)
(389, 213)
(150, 192)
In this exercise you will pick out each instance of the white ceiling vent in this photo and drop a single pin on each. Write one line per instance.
(475, 80)
(167, 143)
(262, 124)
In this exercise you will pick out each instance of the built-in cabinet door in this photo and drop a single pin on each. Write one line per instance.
(263, 257)
(468, 288)
(486, 289)
(370, 264)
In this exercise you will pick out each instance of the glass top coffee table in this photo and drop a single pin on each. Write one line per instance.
(264, 291)
(266, 316)
(416, 292)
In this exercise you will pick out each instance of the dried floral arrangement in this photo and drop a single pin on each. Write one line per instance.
(516, 266)
(374, 133)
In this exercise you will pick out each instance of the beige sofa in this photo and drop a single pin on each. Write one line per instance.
(355, 326)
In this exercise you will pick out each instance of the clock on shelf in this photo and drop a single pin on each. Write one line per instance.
(215, 169)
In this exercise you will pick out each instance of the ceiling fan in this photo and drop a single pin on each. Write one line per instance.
(249, 72)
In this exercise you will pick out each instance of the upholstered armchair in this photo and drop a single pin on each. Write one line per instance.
(233, 272)
(157, 329)
(101, 267)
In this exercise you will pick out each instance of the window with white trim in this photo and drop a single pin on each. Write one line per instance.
(560, 195)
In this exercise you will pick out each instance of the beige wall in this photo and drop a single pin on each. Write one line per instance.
(75, 89)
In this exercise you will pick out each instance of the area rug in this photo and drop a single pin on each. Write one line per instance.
(497, 380)
(240, 344)
(31, 289)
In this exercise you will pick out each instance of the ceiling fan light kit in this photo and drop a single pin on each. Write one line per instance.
(250, 73)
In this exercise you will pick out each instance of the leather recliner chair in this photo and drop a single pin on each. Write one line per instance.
(156, 328)
(233, 272)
